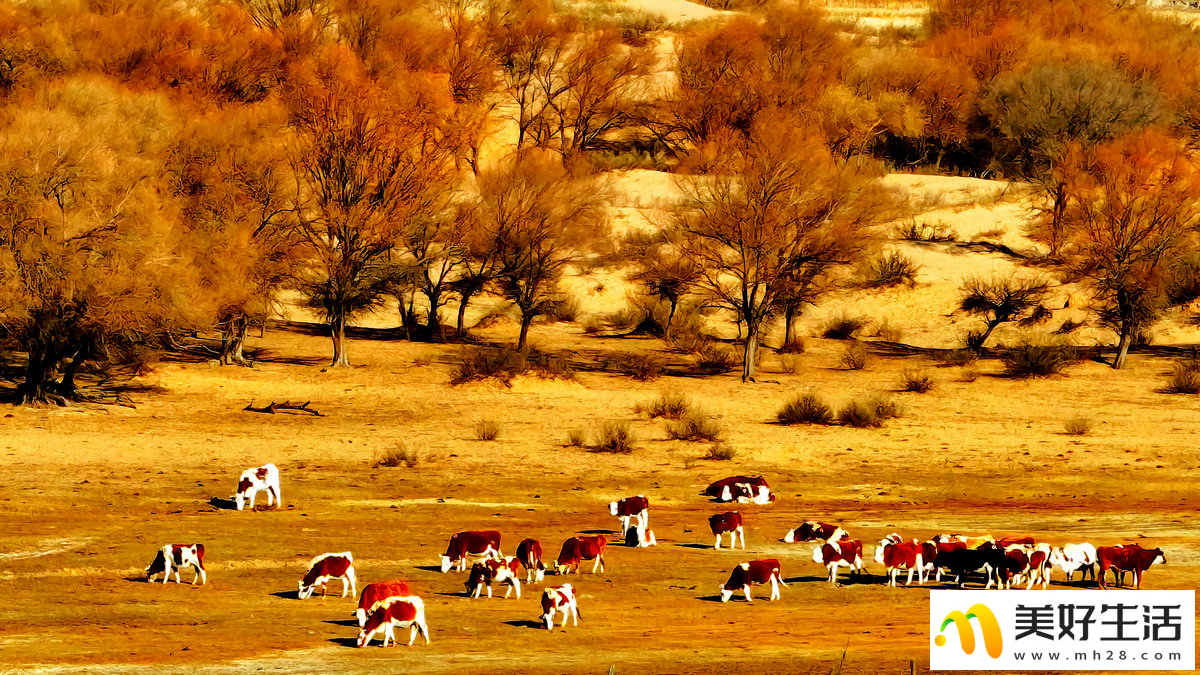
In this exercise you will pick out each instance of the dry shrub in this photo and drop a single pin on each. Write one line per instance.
(805, 409)
(487, 430)
(843, 327)
(793, 346)
(1185, 377)
(968, 375)
(1077, 426)
(959, 357)
(720, 452)
(870, 413)
(506, 363)
(855, 357)
(926, 232)
(696, 426)
(670, 404)
(714, 359)
(562, 308)
(1037, 360)
(576, 438)
(615, 437)
(789, 363)
(890, 269)
(645, 367)
(915, 381)
(397, 455)
(889, 332)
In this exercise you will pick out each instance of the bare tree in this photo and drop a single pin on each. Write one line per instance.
(661, 265)
(1001, 300)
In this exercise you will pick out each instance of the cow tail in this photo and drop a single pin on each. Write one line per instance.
(200, 554)
(578, 614)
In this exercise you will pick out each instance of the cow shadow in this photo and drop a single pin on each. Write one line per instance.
(608, 532)
(525, 623)
(713, 598)
(345, 641)
(287, 595)
(429, 568)
(456, 594)
(694, 545)
(805, 579)
(223, 503)
(343, 622)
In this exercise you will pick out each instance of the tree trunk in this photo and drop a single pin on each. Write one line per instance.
(1056, 216)
(751, 351)
(789, 317)
(526, 319)
(233, 339)
(36, 388)
(337, 331)
(670, 316)
(1123, 347)
(432, 323)
(464, 300)
(66, 386)
(987, 333)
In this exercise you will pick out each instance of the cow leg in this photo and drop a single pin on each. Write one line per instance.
(424, 631)
(742, 533)
(910, 573)
(600, 562)
(774, 588)
(353, 583)
(746, 590)
(1137, 579)
(1103, 575)
(717, 545)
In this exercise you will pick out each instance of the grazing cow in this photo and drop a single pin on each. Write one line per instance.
(896, 554)
(631, 507)
(255, 480)
(754, 572)
(374, 594)
(529, 552)
(473, 544)
(577, 549)
(1075, 557)
(484, 573)
(403, 612)
(742, 489)
(1127, 558)
(960, 561)
(731, 522)
(969, 542)
(813, 531)
(834, 554)
(173, 556)
(1005, 542)
(325, 568)
(638, 536)
(559, 599)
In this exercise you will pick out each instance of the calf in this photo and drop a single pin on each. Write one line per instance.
(171, 557)
(559, 599)
(1075, 557)
(484, 573)
(960, 561)
(631, 507)
(639, 537)
(834, 554)
(529, 552)
(403, 612)
(376, 593)
(325, 568)
(896, 554)
(473, 544)
(813, 531)
(578, 549)
(1129, 558)
(749, 573)
(731, 522)
(255, 480)
(742, 489)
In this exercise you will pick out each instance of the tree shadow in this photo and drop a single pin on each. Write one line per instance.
(526, 623)
(457, 594)
(223, 503)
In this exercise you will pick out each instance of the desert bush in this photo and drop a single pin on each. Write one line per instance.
(615, 437)
(855, 357)
(576, 438)
(793, 346)
(1069, 326)
(889, 332)
(926, 232)
(886, 407)
(890, 269)
(397, 455)
(506, 363)
(696, 426)
(860, 414)
(968, 375)
(843, 327)
(625, 320)
(804, 409)
(789, 363)
(916, 381)
(645, 367)
(1185, 377)
(715, 359)
(593, 325)
(959, 357)
(720, 452)
(1037, 360)
(487, 430)
(563, 308)
(1077, 426)
(670, 404)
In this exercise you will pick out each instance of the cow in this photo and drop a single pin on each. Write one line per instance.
(473, 544)
(529, 552)
(559, 599)
(171, 557)
(578, 549)
(1075, 557)
(930, 551)
(1028, 559)
(1129, 558)
(968, 541)
(255, 480)
(631, 507)
(484, 573)
(960, 561)
(374, 594)
(325, 568)
(1005, 542)
(403, 612)
(638, 536)
(731, 522)
(896, 554)
(834, 554)
(754, 572)
(813, 531)
(742, 489)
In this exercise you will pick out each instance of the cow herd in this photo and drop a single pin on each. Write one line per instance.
(1003, 563)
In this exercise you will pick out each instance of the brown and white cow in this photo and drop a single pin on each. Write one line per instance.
(1028, 560)
(1127, 558)
(834, 554)
(560, 599)
(728, 522)
(811, 530)
(631, 507)
(402, 612)
(577, 549)
(1005, 542)
(1075, 557)
(375, 593)
(753, 572)
(255, 480)
(325, 568)
(171, 557)
(638, 536)
(895, 555)
(529, 552)
(742, 489)
(484, 573)
(968, 541)
(475, 545)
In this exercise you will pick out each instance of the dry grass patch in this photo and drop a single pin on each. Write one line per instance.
(615, 437)
(1037, 360)
(719, 452)
(1185, 377)
(917, 381)
(398, 455)
(1077, 426)
(670, 405)
(487, 430)
(854, 357)
(696, 426)
(805, 409)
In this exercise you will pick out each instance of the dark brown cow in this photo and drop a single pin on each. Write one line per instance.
(731, 522)
(1015, 541)
(833, 555)
(631, 507)
(171, 557)
(373, 594)
(484, 573)
(754, 572)
(325, 568)
(742, 489)
(895, 554)
(1127, 558)
(930, 551)
(578, 549)
(473, 544)
(813, 531)
(529, 552)
(405, 612)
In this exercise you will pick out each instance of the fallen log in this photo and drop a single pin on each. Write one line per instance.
(286, 406)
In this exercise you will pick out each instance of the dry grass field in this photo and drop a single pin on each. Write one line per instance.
(89, 494)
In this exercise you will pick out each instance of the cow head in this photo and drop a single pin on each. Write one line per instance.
(818, 555)
(612, 508)
(539, 575)
(446, 563)
(725, 594)
(1159, 556)
(303, 591)
(790, 537)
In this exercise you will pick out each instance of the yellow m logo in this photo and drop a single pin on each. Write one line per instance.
(993, 642)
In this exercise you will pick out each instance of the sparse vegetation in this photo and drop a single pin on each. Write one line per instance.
(860, 414)
(795, 345)
(697, 425)
(616, 438)
(806, 408)
(854, 357)
(926, 232)
(487, 430)
(399, 454)
(916, 381)
(1185, 377)
(1037, 360)
(843, 328)
(670, 405)
(505, 364)
(720, 452)
(576, 438)
(890, 269)
(1077, 426)
(715, 359)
